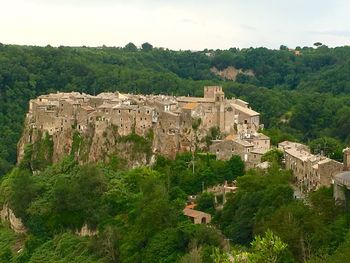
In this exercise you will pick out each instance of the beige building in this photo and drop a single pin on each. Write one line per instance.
(310, 171)
(250, 147)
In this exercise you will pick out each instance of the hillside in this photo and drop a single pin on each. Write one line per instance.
(307, 90)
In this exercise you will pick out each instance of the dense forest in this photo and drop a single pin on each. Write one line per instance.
(138, 214)
(302, 94)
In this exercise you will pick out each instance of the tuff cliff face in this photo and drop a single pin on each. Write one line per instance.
(92, 145)
(14, 222)
(133, 128)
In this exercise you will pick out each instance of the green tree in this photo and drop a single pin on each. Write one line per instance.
(130, 47)
(147, 46)
(274, 155)
(326, 146)
(206, 203)
(269, 248)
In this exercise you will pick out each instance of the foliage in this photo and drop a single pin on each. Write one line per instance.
(206, 203)
(274, 155)
(7, 242)
(269, 248)
(213, 134)
(257, 197)
(326, 146)
(208, 172)
(64, 248)
(139, 144)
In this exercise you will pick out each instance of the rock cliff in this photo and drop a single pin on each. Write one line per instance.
(14, 222)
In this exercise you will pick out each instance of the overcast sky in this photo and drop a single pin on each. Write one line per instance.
(176, 24)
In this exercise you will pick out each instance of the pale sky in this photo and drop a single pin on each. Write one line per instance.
(176, 24)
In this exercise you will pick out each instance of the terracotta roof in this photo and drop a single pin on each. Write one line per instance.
(165, 102)
(299, 154)
(195, 99)
(194, 213)
(190, 106)
(262, 136)
(105, 106)
(124, 107)
(259, 150)
(230, 137)
(243, 143)
(87, 108)
(245, 110)
(242, 101)
(191, 206)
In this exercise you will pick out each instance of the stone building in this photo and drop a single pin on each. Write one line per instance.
(197, 217)
(310, 171)
(249, 146)
(341, 184)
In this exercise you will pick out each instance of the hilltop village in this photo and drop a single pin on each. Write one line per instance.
(176, 124)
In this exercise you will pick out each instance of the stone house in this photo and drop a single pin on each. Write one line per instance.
(225, 149)
(310, 171)
(197, 217)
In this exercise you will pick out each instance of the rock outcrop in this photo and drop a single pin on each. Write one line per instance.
(85, 231)
(14, 222)
(231, 73)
